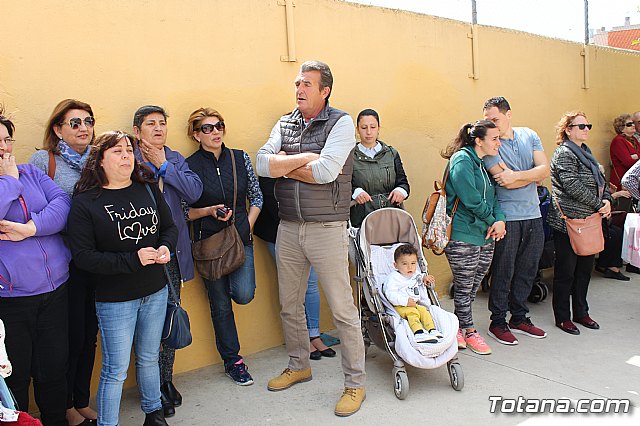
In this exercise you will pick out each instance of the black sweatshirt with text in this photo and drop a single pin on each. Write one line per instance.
(106, 229)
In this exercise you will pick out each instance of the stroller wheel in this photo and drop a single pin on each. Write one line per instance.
(401, 387)
(545, 290)
(456, 376)
(537, 293)
(485, 284)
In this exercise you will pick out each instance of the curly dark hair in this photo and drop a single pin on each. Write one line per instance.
(93, 175)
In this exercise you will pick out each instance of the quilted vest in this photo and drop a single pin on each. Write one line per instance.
(301, 201)
(205, 165)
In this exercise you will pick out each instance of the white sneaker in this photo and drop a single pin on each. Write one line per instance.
(425, 338)
(436, 333)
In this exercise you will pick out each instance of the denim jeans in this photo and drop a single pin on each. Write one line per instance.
(138, 322)
(311, 298)
(239, 286)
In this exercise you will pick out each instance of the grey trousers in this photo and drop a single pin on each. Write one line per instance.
(323, 245)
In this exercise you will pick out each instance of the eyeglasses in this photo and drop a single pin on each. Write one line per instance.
(629, 124)
(208, 128)
(8, 141)
(75, 122)
(581, 126)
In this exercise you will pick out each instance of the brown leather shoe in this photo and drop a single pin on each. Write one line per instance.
(289, 378)
(568, 327)
(588, 322)
(350, 401)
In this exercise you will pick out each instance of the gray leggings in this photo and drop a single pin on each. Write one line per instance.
(469, 264)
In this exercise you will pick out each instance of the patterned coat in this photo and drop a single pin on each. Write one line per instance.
(574, 187)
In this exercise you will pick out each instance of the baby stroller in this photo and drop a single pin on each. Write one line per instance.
(375, 242)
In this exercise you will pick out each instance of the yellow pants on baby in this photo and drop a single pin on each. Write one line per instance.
(419, 317)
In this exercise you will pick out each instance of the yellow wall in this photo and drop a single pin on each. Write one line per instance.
(183, 54)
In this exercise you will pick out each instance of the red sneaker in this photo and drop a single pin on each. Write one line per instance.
(527, 327)
(462, 344)
(502, 334)
(476, 343)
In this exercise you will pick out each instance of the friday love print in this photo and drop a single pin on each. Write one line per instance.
(128, 230)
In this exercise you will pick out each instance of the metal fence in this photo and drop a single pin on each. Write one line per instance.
(614, 23)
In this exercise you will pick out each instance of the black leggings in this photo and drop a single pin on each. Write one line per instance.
(83, 331)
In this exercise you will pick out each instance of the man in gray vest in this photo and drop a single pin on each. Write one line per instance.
(310, 151)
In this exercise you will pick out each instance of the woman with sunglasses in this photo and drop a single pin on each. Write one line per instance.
(378, 177)
(67, 139)
(624, 149)
(34, 267)
(211, 213)
(121, 231)
(579, 189)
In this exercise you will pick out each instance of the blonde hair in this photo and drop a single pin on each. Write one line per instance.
(198, 116)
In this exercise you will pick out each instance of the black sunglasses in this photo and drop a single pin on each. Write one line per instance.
(581, 126)
(208, 128)
(75, 122)
(629, 124)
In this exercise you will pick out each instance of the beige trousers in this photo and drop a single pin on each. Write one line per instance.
(323, 245)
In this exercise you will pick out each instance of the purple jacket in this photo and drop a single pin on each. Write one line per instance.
(38, 264)
(180, 183)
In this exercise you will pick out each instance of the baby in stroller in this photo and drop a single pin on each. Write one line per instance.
(402, 289)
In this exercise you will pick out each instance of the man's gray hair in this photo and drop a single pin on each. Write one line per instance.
(326, 78)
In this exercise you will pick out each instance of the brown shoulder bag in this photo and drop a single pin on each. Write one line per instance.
(223, 252)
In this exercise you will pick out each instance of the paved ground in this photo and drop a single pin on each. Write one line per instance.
(597, 364)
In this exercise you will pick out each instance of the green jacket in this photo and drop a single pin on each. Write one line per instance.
(478, 208)
(378, 176)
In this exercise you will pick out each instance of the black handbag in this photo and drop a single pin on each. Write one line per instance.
(176, 332)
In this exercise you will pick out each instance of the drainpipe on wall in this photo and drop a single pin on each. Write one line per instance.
(291, 43)
(473, 35)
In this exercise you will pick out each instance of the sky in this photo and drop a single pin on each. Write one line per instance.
(554, 18)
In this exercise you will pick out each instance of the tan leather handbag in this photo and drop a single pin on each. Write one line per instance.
(585, 234)
(223, 252)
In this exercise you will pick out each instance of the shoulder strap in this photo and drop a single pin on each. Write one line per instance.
(174, 296)
(235, 182)
(444, 185)
(51, 168)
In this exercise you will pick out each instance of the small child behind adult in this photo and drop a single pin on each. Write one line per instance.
(402, 291)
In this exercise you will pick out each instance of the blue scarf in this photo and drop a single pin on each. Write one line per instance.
(75, 160)
(586, 157)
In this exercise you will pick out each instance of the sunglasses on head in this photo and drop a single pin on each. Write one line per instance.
(208, 128)
(581, 126)
(629, 124)
(75, 122)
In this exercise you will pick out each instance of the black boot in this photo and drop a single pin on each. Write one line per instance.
(167, 407)
(171, 393)
(155, 419)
